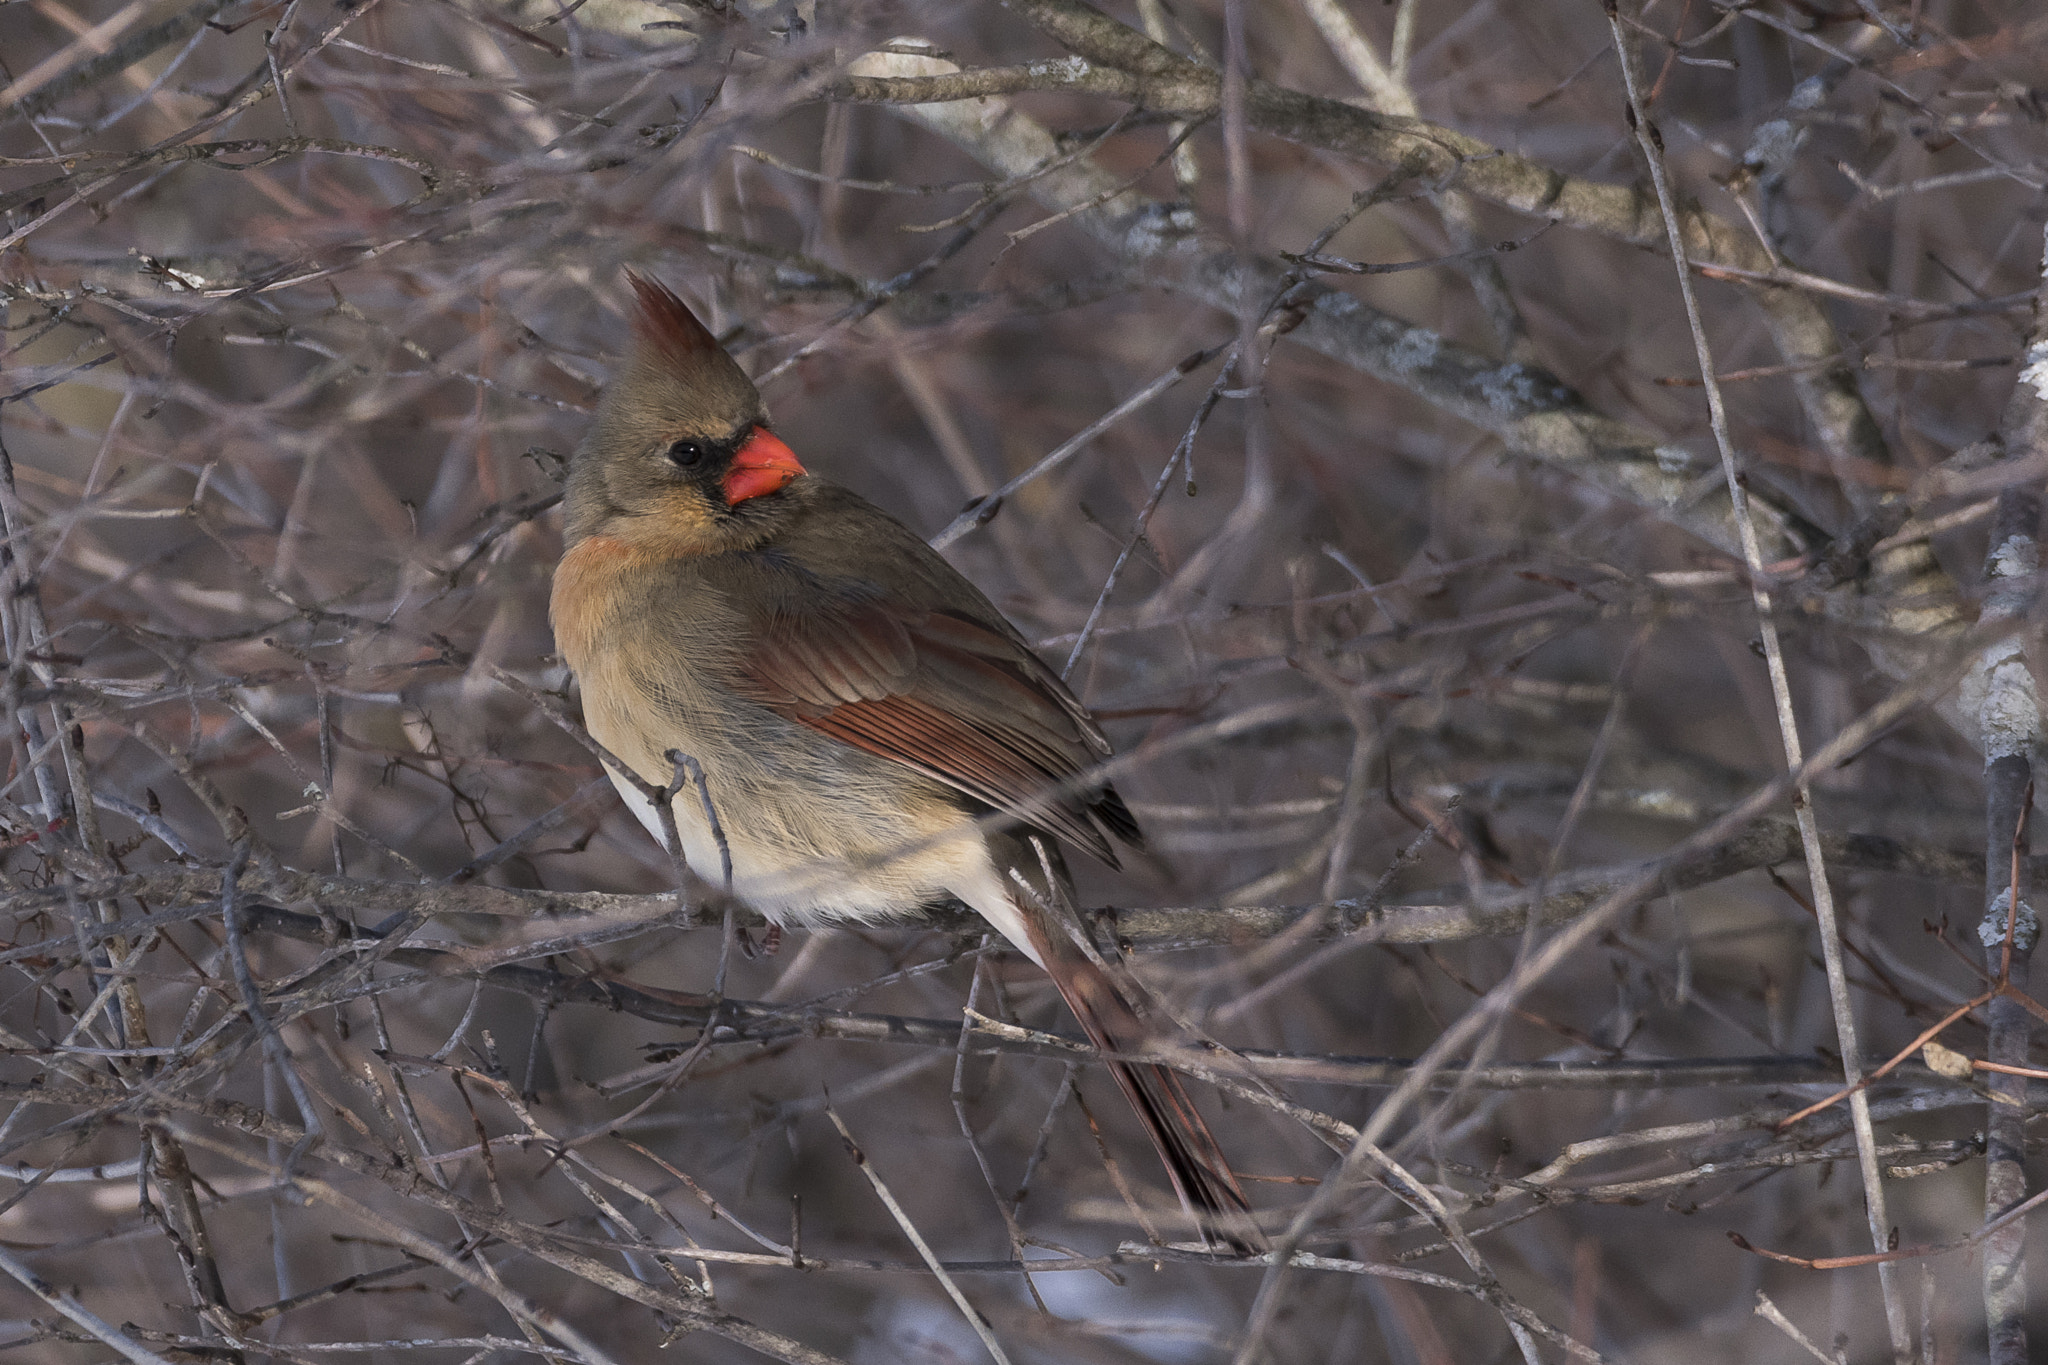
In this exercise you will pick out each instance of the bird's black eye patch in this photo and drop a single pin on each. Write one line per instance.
(687, 454)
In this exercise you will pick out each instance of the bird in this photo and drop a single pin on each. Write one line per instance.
(872, 733)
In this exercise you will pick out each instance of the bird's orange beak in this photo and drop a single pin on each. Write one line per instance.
(762, 465)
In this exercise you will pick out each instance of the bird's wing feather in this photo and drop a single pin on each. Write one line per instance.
(937, 691)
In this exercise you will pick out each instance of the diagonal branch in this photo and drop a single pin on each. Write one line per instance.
(1651, 143)
(1913, 604)
(1165, 82)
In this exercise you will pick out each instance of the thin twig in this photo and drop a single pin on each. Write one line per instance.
(274, 1048)
(967, 1310)
(1651, 143)
(71, 1308)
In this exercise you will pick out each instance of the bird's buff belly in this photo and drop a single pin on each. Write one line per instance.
(823, 832)
(806, 847)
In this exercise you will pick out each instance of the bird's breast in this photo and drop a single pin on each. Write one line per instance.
(651, 649)
(815, 829)
(589, 590)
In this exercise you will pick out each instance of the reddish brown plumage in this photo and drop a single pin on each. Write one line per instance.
(857, 706)
(1196, 1165)
(666, 323)
(951, 698)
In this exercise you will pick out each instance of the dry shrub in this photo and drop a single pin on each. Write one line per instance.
(349, 1016)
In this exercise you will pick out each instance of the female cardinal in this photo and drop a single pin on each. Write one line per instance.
(873, 734)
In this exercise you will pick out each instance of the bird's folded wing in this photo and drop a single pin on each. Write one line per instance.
(950, 697)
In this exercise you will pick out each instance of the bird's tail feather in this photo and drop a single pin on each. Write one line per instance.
(1200, 1174)
(1034, 909)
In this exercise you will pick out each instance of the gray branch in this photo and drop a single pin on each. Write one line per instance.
(1911, 603)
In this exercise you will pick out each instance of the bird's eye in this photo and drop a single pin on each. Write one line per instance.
(686, 454)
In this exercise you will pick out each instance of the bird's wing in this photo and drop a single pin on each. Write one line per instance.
(937, 691)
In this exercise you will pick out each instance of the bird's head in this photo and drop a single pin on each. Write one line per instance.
(680, 458)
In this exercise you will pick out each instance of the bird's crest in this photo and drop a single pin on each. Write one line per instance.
(665, 324)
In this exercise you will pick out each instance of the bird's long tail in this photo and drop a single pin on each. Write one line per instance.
(1109, 1013)
(1195, 1164)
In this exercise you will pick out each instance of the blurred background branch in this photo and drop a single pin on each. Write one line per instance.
(1305, 378)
